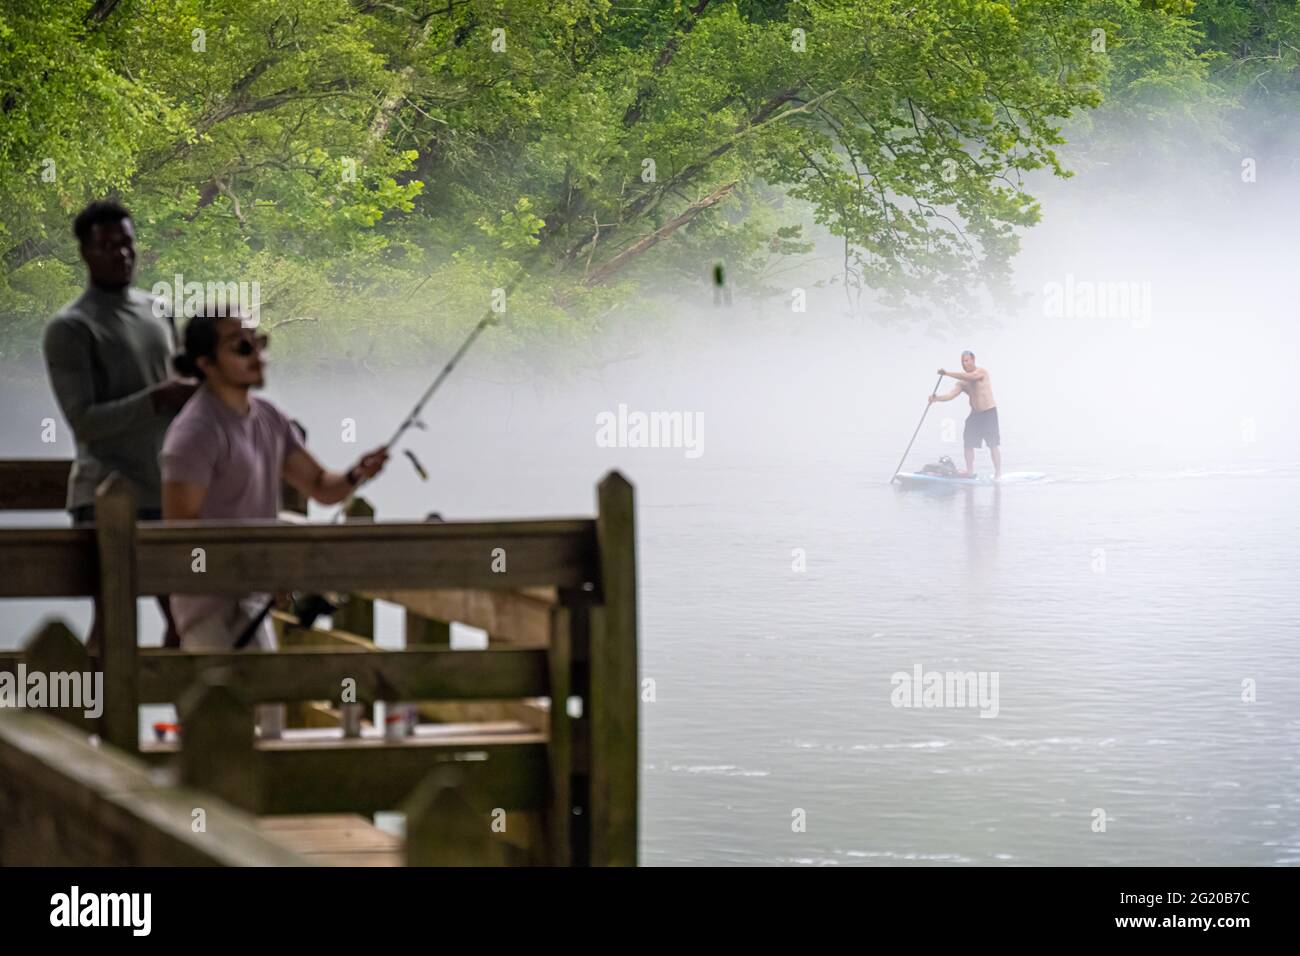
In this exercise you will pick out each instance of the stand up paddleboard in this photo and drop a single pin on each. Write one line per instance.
(911, 479)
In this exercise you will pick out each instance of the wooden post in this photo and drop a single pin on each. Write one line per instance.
(559, 750)
(614, 696)
(358, 615)
(421, 631)
(115, 536)
(444, 825)
(54, 649)
(68, 802)
(569, 810)
(217, 745)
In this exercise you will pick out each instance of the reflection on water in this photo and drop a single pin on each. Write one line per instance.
(1121, 611)
(982, 513)
(1121, 683)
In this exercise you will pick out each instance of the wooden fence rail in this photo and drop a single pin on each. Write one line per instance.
(66, 802)
(558, 596)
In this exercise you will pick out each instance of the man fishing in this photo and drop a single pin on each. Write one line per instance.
(107, 354)
(224, 457)
(982, 423)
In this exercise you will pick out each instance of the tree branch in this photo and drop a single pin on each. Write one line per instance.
(660, 234)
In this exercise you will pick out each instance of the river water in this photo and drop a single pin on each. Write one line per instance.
(1141, 624)
(1138, 608)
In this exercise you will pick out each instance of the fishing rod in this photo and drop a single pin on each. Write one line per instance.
(918, 430)
(412, 420)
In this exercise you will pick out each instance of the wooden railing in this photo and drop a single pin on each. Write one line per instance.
(34, 484)
(564, 603)
(66, 802)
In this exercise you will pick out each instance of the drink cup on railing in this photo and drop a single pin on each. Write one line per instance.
(399, 720)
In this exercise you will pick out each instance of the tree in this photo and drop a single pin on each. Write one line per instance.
(379, 167)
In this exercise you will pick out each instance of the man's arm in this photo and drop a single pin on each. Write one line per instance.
(182, 500)
(317, 482)
(974, 376)
(187, 464)
(947, 397)
(67, 359)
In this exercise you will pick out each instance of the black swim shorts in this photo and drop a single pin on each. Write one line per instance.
(982, 428)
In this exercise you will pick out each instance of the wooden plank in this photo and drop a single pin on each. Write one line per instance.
(511, 616)
(357, 616)
(317, 821)
(370, 775)
(578, 604)
(54, 649)
(316, 674)
(272, 556)
(418, 631)
(512, 731)
(115, 534)
(530, 713)
(365, 858)
(560, 816)
(615, 745)
(75, 804)
(47, 562)
(34, 484)
(448, 823)
(294, 636)
(316, 715)
(297, 713)
(451, 822)
(334, 833)
(218, 751)
(526, 711)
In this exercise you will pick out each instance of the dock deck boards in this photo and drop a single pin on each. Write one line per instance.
(334, 839)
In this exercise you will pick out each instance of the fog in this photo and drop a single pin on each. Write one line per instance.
(1162, 420)
(1153, 328)
(1146, 335)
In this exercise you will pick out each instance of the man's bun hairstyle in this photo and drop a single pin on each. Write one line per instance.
(200, 342)
(184, 364)
(98, 212)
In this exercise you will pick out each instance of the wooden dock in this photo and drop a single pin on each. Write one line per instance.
(528, 749)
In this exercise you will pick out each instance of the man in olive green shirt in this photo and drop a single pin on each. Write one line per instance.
(108, 355)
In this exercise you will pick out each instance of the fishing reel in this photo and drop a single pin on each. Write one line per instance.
(307, 607)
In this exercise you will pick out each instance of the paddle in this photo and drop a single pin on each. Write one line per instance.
(918, 429)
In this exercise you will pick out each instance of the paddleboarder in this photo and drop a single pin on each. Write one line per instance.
(982, 424)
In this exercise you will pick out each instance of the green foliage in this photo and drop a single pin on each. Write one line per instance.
(379, 168)
(1258, 47)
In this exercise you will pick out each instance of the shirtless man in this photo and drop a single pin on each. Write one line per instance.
(982, 425)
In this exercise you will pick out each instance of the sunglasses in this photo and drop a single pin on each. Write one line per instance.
(245, 347)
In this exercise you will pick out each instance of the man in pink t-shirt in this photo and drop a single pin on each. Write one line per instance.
(224, 457)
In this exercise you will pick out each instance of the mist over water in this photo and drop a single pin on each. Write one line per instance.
(1123, 601)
